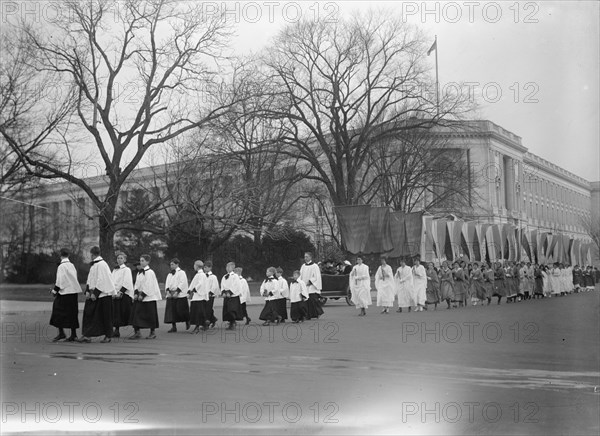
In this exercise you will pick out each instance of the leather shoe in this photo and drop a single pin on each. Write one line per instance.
(84, 340)
(151, 336)
(59, 337)
(187, 325)
(71, 339)
(135, 336)
(173, 330)
(248, 321)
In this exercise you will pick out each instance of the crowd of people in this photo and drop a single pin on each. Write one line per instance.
(119, 298)
(461, 283)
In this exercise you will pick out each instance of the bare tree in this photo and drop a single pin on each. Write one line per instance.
(419, 168)
(142, 78)
(31, 116)
(349, 85)
(265, 191)
(591, 225)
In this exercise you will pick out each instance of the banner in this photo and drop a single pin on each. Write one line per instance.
(380, 238)
(355, 224)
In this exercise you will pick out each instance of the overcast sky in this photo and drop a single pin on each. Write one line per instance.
(542, 56)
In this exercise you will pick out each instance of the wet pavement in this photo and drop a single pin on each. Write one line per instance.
(527, 368)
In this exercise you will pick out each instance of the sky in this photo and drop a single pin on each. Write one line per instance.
(534, 65)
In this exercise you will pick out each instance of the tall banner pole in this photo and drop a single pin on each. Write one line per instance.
(437, 81)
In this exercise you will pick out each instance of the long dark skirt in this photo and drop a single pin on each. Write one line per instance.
(313, 304)
(269, 312)
(144, 315)
(244, 310)
(97, 317)
(177, 310)
(298, 311)
(478, 290)
(539, 286)
(122, 310)
(460, 290)
(210, 311)
(500, 288)
(489, 289)
(65, 312)
(199, 312)
(232, 310)
(432, 293)
(281, 305)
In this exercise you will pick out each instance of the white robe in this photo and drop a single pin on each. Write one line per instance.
(297, 290)
(270, 289)
(420, 284)
(311, 275)
(554, 281)
(360, 285)
(100, 278)
(384, 283)
(212, 284)
(122, 278)
(199, 287)
(284, 289)
(146, 282)
(176, 281)
(231, 282)
(405, 286)
(66, 278)
(245, 293)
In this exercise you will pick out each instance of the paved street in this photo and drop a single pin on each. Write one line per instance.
(530, 367)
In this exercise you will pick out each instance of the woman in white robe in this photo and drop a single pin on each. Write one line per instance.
(360, 285)
(404, 286)
(420, 285)
(384, 283)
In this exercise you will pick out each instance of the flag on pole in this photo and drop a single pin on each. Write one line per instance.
(432, 48)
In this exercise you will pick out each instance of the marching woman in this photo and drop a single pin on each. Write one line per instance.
(433, 287)
(144, 314)
(546, 280)
(230, 291)
(538, 284)
(213, 291)
(404, 286)
(488, 282)
(311, 275)
(123, 299)
(420, 284)
(554, 282)
(577, 278)
(460, 285)
(509, 283)
(478, 291)
(589, 279)
(384, 283)
(447, 284)
(244, 295)
(284, 293)
(298, 298)
(270, 289)
(65, 308)
(177, 308)
(360, 285)
(97, 312)
(198, 295)
(499, 282)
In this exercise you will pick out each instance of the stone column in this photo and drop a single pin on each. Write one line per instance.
(509, 183)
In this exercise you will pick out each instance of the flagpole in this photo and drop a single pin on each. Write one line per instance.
(437, 82)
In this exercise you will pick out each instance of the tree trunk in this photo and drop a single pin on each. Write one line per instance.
(107, 239)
